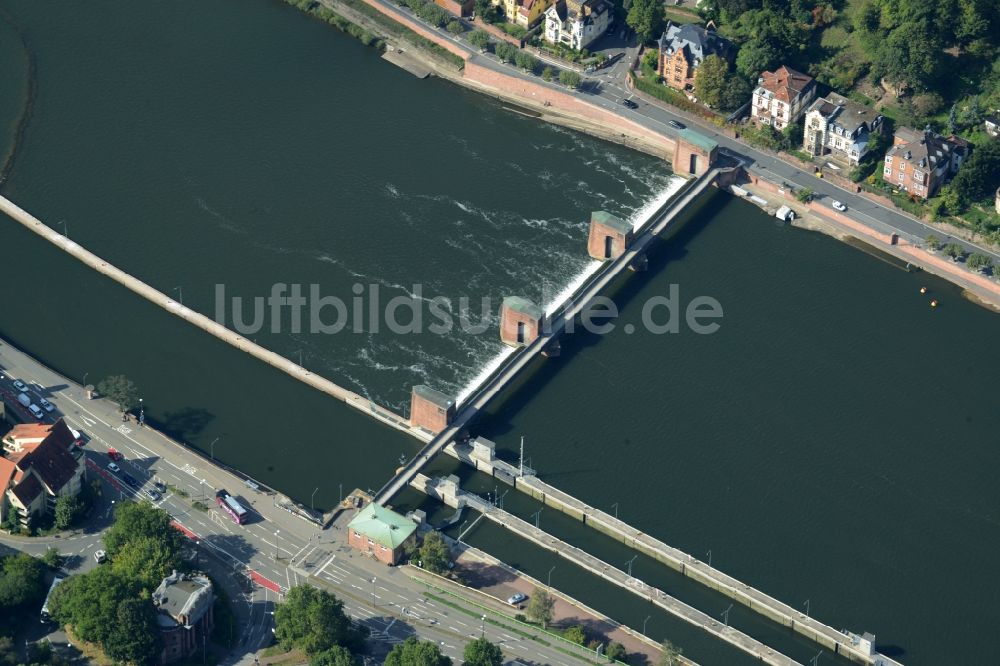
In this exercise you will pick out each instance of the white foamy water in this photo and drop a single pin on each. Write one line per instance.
(638, 219)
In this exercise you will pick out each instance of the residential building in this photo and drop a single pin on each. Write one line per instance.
(381, 533)
(782, 97)
(525, 13)
(993, 124)
(684, 47)
(183, 614)
(457, 7)
(576, 24)
(839, 128)
(921, 162)
(38, 469)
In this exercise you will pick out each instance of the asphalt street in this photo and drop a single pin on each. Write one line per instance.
(267, 555)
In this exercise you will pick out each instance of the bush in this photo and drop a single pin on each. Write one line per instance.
(455, 28)
(616, 652)
(978, 262)
(804, 194)
(569, 78)
(506, 52)
(479, 39)
(954, 250)
(932, 242)
(576, 634)
(547, 74)
(526, 61)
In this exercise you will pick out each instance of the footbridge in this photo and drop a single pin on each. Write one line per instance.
(557, 324)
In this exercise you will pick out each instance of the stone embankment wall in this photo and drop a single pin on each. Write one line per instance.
(603, 122)
(987, 289)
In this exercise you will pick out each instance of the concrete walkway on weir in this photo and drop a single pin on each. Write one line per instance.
(450, 494)
(574, 304)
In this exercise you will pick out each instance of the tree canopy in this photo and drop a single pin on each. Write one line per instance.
(22, 582)
(142, 544)
(647, 18)
(314, 621)
(89, 603)
(133, 637)
(434, 553)
(481, 652)
(540, 607)
(415, 652)
(335, 656)
(120, 390)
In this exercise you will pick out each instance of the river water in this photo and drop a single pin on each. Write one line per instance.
(834, 441)
(294, 155)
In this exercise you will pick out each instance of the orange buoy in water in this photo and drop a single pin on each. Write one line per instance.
(934, 303)
(923, 290)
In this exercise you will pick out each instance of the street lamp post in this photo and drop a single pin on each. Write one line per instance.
(807, 607)
(142, 412)
(550, 576)
(615, 505)
(629, 565)
(180, 297)
(212, 447)
(312, 504)
(644, 624)
(536, 516)
(276, 545)
(482, 631)
(373, 592)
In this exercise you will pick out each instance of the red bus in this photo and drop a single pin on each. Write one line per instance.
(231, 506)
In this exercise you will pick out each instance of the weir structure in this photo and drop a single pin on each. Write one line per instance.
(622, 249)
(438, 421)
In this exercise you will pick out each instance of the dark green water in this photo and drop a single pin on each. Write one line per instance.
(834, 441)
(287, 152)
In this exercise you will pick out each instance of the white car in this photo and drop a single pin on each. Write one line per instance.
(516, 598)
(114, 468)
(839, 206)
(46, 405)
(20, 386)
(100, 556)
(35, 411)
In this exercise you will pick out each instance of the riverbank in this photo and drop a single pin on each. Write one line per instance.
(976, 287)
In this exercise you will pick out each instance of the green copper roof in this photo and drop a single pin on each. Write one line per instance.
(699, 140)
(438, 398)
(611, 221)
(384, 527)
(524, 306)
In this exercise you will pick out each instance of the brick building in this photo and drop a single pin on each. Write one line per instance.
(684, 47)
(381, 533)
(184, 614)
(781, 97)
(921, 162)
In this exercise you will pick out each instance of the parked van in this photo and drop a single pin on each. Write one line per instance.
(24, 399)
(36, 411)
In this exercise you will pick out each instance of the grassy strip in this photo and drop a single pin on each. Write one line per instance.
(556, 646)
(674, 98)
(401, 31)
(329, 16)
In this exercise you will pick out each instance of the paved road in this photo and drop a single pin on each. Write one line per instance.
(606, 88)
(281, 550)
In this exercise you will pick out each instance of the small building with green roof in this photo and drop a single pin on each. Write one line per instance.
(381, 533)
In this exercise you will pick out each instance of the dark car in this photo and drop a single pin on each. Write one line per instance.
(676, 125)
(160, 486)
(629, 104)
(130, 480)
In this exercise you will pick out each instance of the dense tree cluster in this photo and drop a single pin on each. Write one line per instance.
(415, 652)
(110, 605)
(314, 621)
